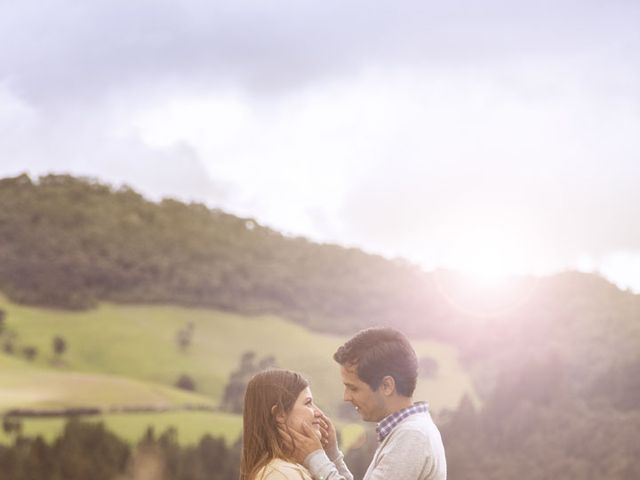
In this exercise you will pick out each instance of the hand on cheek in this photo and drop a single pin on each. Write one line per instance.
(329, 435)
(306, 440)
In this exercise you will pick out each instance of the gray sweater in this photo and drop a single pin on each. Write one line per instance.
(412, 451)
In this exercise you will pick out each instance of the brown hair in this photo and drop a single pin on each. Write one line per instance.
(378, 352)
(261, 441)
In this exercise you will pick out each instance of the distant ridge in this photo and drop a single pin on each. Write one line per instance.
(71, 242)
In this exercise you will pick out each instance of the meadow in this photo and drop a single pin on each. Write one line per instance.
(127, 356)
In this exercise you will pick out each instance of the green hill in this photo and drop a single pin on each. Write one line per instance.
(74, 243)
(139, 342)
(125, 355)
(30, 387)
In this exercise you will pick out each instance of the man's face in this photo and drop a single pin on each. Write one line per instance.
(370, 404)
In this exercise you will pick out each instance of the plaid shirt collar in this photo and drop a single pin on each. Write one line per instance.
(388, 423)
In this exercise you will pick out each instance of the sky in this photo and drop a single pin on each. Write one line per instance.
(493, 137)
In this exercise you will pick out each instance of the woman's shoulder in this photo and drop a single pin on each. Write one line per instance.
(278, 469)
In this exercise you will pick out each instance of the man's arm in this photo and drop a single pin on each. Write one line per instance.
(322, 467)
(323, 464)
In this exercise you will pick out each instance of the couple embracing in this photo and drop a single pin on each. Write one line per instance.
(286, 436)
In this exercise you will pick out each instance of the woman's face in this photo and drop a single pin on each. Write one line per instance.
(304, 410)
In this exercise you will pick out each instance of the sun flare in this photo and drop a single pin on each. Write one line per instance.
(488, 253)
(486, 262)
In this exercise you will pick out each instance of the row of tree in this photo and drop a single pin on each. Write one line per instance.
(88, 450)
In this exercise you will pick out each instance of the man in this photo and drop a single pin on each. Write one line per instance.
(379, 370)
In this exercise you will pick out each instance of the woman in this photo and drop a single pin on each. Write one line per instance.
(276, 402)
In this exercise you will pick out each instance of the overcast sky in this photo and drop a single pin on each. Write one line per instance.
(489, 136)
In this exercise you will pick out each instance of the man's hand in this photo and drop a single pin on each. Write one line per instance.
(301, 442)
(329, 436)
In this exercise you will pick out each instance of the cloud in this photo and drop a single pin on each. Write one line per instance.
(63, 49)
(472, 155)
(86, 141)
(407, 127)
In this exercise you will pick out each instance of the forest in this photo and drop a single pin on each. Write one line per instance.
(71, 242)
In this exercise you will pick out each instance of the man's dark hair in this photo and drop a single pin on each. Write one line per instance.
(378, 352)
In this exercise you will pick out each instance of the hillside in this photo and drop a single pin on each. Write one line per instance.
(29, 387)
(75, 243)
(72, 243)
(139, 342)
(126, 356)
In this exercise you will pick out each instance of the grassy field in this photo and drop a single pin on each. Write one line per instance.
(127, 355)
(24, 385)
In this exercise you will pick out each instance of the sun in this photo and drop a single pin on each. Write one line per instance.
(487, 254)
(485, 269)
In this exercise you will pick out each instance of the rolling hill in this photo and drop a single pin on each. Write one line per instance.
(127, 355)
(73, 243)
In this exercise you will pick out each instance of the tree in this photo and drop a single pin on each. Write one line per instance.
(30, 352)
(7, 346)
(266, 362)
(59, 346)
(233, 397)
(88, 450)
(12, 425)
(246, 361)
(185, 382)
(184, 337)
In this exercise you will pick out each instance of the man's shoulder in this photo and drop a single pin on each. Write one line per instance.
(417, 421)
(416, 428)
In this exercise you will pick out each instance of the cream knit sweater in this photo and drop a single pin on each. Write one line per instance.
(412, 451)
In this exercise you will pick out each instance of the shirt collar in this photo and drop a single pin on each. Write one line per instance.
(387, 424)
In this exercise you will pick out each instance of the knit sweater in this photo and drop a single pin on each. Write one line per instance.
(412, 451)
(278, 469)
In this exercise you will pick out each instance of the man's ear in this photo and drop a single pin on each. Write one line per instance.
(388, 385)
(278, 415)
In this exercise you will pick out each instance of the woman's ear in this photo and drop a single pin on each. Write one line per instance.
(278, 415)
